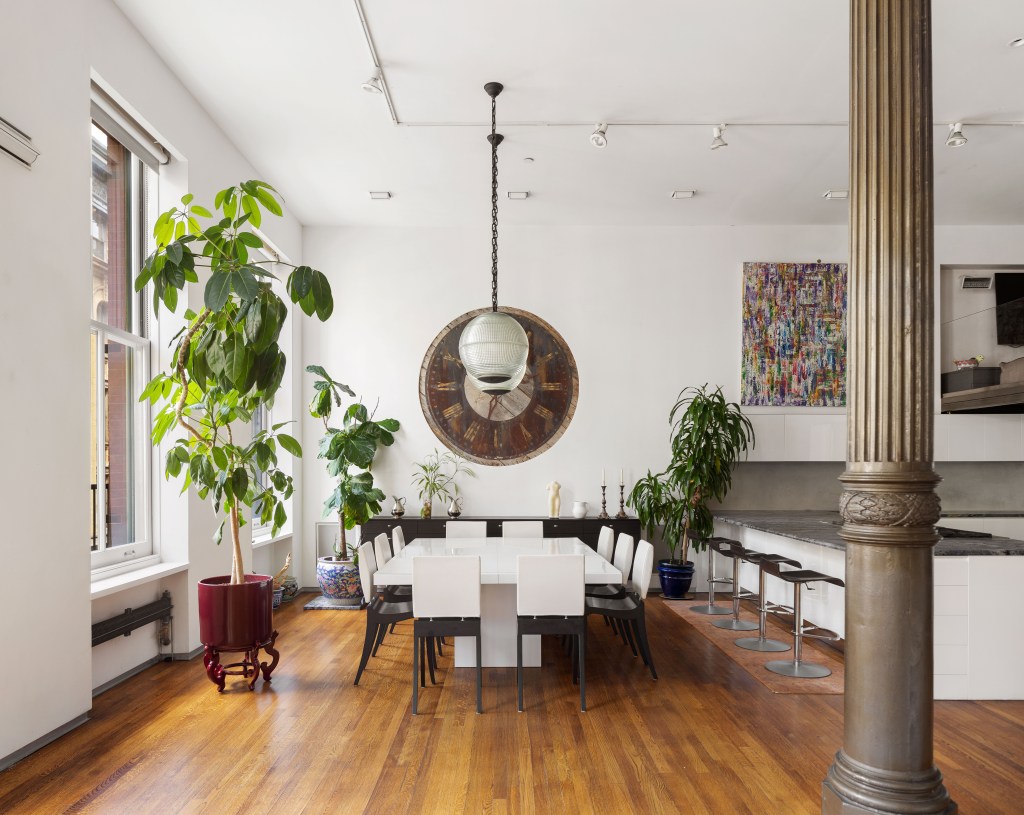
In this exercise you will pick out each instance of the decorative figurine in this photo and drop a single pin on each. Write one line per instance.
(554, 500)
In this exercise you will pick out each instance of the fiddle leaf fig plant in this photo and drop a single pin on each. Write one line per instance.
(349, 451)
(707, 438)
(227, 363)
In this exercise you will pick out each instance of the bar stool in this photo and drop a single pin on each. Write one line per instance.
(796, 666)
(733, 549)
(761, 641)
(714, 545)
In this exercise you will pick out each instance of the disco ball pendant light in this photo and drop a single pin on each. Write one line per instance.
(493, 346)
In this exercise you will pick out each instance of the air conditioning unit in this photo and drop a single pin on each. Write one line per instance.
(976, 282)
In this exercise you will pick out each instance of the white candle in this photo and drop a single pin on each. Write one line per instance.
(622, 483)
(602, 477)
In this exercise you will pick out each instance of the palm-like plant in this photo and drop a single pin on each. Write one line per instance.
(707, 438)
(435, 476)
(349, 451)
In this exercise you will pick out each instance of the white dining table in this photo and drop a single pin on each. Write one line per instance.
(498, 572)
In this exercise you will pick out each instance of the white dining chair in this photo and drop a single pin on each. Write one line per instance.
(550, 600)
(380, 613)
(382, 549)
(465, 529)
(606, 543)
(522, 529)
(622, 560)
(445, 602)
(629, 610)
(397, 540)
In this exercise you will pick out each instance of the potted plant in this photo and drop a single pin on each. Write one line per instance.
(349, 451)
(707, 437)
(435, 476)
(226, 365)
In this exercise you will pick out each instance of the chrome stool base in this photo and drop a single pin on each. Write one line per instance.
(761, 644)
(803, 670)
(708, 608)
(736, 625)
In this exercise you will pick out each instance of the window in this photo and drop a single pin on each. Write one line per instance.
(123, 200)
(260, 422)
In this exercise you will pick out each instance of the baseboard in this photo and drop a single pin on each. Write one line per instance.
(187, 656)
(53, 735)
(117, 680)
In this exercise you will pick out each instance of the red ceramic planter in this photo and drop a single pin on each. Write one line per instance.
(239, 617)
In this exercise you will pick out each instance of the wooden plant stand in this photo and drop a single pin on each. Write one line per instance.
(250, 666)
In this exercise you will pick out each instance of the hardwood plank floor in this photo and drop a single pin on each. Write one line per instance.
(705, 738)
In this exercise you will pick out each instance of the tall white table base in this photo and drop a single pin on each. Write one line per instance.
(498, 632)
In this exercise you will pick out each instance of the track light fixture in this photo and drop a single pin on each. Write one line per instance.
(718, 141)
(956, 136)
(373, 84)
(599, 137)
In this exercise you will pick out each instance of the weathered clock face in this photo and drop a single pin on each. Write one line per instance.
(503, 429)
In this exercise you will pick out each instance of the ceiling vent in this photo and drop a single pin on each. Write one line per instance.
(968, 282)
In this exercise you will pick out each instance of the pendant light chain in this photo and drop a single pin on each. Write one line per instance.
(494, 207)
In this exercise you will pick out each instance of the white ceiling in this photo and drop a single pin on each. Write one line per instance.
(310, 129)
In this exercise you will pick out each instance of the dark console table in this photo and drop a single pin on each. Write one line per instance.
(586, 529)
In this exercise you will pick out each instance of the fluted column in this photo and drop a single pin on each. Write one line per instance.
(889, 505)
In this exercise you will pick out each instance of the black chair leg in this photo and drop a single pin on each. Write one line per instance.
(583, 671)
(628, 635)
(422, 646)
(381, 631)
(519, 671)
(641, 624)
(636, 638)
(431, 662)
(392, 631)
(415, 670)
(368, 640)
(479, 676)
(574, 656)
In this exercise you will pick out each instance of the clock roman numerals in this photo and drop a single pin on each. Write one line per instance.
(527, 435)
(552, 386)
(473, 430)
(453, 411)
(454, 359)
(446, 386)
(543, 412)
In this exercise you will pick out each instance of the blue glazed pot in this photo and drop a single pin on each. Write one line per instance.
(675, 578)
(338, 579)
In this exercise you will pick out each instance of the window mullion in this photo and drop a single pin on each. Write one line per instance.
(101, 442)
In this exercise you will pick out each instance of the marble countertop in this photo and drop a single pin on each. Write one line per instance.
(823, 528)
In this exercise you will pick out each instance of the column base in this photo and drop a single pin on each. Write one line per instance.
(852, 788)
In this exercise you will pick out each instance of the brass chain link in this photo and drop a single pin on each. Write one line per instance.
(494, 207)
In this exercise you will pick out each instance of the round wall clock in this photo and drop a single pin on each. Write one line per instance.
(505, 429)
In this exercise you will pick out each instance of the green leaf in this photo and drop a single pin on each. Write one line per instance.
(220, 457)
(250, 240)
(198, 210)
(267, 199)
(279, 516)
(290, 444)
(218, 287)
(321, 290)
(391, 425)
(174, 253)
(186, 199)
(219, 534)
(244, 284)
(239, 482)
(299, 282)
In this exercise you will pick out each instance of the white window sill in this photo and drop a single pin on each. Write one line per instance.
(148, 574)
(260, 542)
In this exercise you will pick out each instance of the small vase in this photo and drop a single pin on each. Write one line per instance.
(426, 510)
(455, 508)
(579, 509)
(399, 509)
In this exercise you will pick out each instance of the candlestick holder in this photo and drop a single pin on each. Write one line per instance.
(622, 502)
(604, 510)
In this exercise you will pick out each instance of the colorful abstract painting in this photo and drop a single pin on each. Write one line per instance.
(794, 334)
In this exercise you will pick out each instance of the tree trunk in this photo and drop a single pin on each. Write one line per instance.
(342, 549)
(237, 569)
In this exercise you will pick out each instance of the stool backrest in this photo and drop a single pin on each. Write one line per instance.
(550, 585)
(643, 563)
(446, 586)
(623, 554)
(522, 529)
(465, 529)
(397, 540)
(367, 569)
(606, 543)
(382, 549)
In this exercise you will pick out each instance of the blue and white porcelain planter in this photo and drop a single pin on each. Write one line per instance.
(338, 579)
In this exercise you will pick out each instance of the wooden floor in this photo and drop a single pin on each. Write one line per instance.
(705, 738)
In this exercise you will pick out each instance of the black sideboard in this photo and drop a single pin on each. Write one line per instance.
(586, 529)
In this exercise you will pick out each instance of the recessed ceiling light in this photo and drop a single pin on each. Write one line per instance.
(1016, 42)
(518, 196)
(836, 195)
(683, 193)
(380, 195)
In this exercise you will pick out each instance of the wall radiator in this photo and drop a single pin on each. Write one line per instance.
(123, 624)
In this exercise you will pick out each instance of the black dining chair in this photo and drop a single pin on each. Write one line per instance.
(380, 613)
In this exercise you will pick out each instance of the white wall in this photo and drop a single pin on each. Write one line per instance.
(46, 56)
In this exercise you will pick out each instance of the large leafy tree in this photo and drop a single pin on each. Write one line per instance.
(227, 362)
(349, 451)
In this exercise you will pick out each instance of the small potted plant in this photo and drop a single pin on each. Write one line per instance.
(707, 438)
(226, 365)
(435, 476)
(349, 451)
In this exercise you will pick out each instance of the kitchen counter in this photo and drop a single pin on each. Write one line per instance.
(823, 528)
